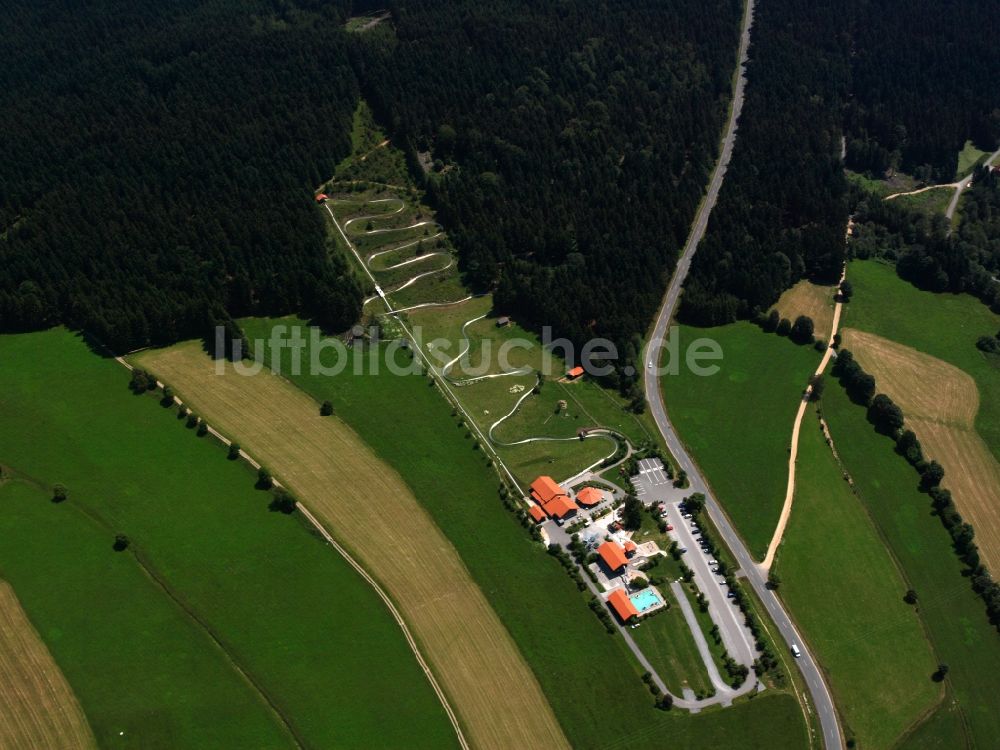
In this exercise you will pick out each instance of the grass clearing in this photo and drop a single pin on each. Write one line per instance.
(38, 709)
(847, 596)
(737, 423)
(588, 676)
(367, 505)
(954, 617)
(814, 300)
(930, 202)
(969, 158)
(281, 607)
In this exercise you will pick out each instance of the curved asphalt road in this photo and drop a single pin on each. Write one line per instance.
(820, 693)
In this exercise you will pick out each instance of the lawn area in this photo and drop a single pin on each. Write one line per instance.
(737, 423)
(954, 617)
(666, 640)
(287, 611)
(589, 676)
(846, 594)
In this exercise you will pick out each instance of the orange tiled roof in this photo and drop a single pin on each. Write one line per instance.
(613, 555)
(622, 605)
(575, 372)
(629, 546)
(589, 496)
(537, 513)
(560, 507)
(544, 489)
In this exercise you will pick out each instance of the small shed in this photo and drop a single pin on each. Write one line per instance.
(321, 198)
(575, 373)
(503, 321)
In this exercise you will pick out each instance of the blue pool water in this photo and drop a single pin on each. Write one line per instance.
(644, 600)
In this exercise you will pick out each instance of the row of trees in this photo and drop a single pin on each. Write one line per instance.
(888, 419)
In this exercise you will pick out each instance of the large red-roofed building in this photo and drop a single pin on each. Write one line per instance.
(622, 605)
(613, 555)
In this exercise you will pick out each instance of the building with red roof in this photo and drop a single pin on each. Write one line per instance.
(536, 512)
(544, 490)
(575, 372)
(630, 548)
(622, 605)
(560, 507)
(321, 197)
(588, 497)
(613, 555)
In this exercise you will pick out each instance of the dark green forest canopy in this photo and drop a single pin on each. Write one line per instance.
(782, 209)
(576, 140)
(926, 79)
(159, 159)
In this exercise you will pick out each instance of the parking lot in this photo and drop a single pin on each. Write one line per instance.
(652, 485)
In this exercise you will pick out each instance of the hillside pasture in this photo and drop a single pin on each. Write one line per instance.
(38, 709)
(368, 507)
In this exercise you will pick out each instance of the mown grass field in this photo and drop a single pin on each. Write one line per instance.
(940, 402)
(38, 709)
(954, 617)
(738, 422)
(369, 508)
(587, 675)
(814, 300)
(846, 594)
(285, 612)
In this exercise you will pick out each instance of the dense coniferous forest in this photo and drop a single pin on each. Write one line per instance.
(782, 209)
(573, 142)
(159, 157)
(925, 80)
(159, 160)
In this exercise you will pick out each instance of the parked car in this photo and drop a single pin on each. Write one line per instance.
(682, 550)
(669, 527)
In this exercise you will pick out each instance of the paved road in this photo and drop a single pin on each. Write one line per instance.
(820, 693)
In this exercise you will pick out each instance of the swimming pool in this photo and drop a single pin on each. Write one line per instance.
(645, 600)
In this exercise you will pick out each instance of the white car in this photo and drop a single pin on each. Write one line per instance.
(795, 651)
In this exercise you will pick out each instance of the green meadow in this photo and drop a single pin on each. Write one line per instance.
(738, 423)
(285, 610)
(587, 675)
(845, 592)
(954, 617)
